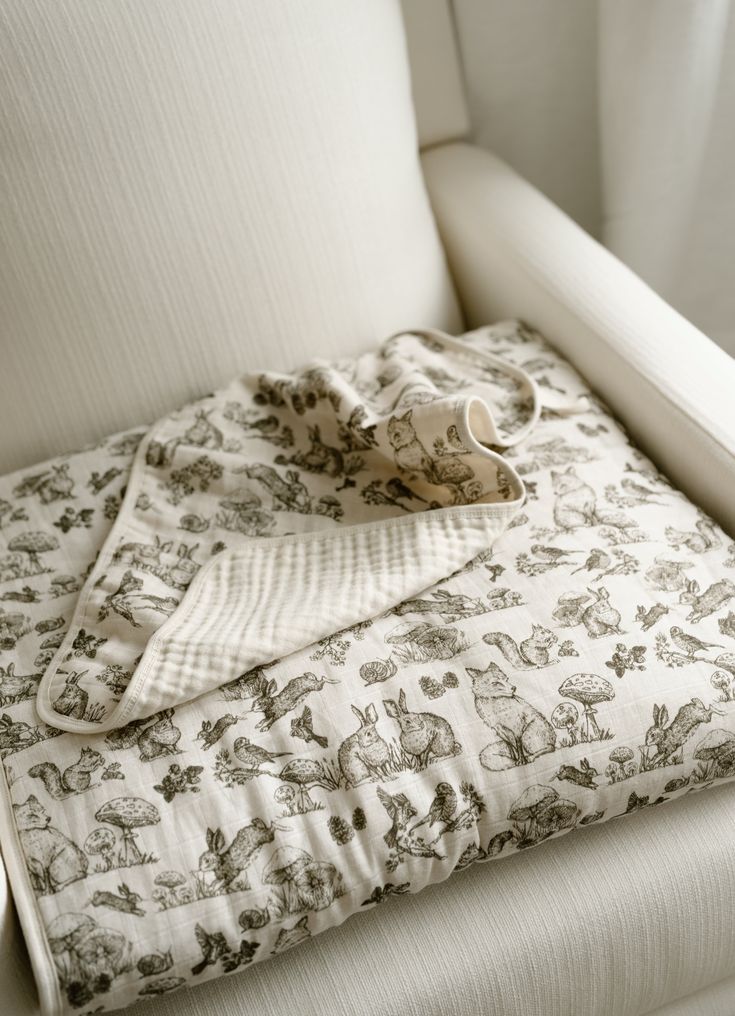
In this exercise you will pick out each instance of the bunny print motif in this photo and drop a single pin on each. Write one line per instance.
(425, 736)
(364, 755)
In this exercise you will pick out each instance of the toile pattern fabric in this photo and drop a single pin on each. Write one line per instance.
(580, 668)
(299, 561)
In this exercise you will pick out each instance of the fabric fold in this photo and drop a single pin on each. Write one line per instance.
(323, 499)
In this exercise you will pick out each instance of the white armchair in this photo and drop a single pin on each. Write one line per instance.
(199, 188)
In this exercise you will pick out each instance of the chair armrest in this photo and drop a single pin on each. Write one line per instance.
(515, 254)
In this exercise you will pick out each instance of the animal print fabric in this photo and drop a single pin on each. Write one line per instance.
(580, 669)
(299, 562)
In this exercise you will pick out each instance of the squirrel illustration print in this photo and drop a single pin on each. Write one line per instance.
(531, 654)
(75, 779)
(523, 732)
(53, 860)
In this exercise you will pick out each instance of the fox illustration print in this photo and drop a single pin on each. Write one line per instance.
(413, 459)
(523, 732)
(575, 505)
(53, 859)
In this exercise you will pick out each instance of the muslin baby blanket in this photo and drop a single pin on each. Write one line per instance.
(395, 502)
(308, 648)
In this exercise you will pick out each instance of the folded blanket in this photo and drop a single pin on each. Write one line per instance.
(213, 771)
(356, 541)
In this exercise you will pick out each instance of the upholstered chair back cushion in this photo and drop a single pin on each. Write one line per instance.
(194, 189)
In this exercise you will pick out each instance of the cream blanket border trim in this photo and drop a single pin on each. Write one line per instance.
(26, 905)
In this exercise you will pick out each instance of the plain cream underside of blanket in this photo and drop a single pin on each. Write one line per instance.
(261, 602)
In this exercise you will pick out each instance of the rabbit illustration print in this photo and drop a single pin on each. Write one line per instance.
(424, 736)
(364, 755)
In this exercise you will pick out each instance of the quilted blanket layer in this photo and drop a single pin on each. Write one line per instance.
(179, 805)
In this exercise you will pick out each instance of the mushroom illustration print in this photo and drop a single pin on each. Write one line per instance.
(526, 809)
(101, 841)
(564, 717)
(588, 690)
(725, 684)
(170, 891)
(621, 765)
(419, 643)
(127, 814)
(717, 750)
(306, 774)
(63, 933)
(87, 956)
(537, 814)
(303, 883)
(243, 512)
(33, 544)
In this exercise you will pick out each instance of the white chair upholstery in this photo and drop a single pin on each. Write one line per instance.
(514, 254)
(194, 189)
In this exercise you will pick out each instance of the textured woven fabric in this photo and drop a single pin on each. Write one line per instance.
(548, 933)
(194, 188)
(473, 737)
(290, 564)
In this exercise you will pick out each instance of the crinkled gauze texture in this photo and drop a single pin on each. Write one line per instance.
(580, 666)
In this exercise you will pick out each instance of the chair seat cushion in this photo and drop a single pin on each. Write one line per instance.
(580, 671)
